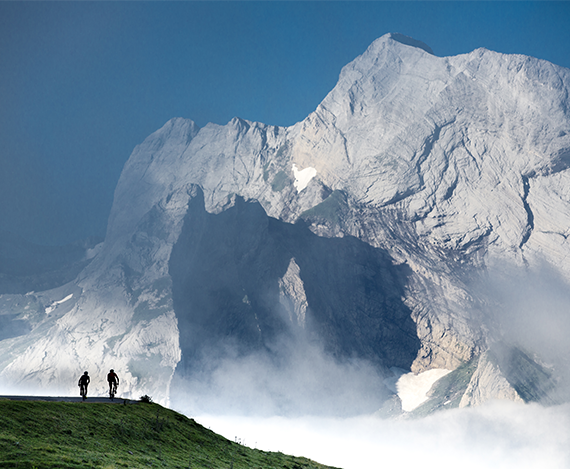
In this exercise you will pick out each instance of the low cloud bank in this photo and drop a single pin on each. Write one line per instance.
(499, 434)
(311, 405)
(299, 380)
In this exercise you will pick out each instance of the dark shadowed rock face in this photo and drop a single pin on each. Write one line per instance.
(227, 269)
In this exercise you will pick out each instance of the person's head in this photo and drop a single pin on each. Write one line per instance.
(85, 373)
(112, 371)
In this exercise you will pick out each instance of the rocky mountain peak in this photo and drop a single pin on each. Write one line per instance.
(380, 214)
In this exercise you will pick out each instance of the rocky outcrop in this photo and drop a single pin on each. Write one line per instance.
(292, 296)
(487, 383)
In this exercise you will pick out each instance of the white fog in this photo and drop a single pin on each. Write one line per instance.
(503, 435)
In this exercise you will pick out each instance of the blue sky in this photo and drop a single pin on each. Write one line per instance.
(82, 83)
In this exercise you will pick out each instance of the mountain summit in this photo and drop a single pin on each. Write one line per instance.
(369, 236)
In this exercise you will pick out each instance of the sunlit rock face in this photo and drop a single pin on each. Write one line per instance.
(488, 383)
(366, 230)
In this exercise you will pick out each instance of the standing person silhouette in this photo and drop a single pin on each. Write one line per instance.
(113, 380)
(83, 383)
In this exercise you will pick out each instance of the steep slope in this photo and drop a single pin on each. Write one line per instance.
(27, 267)
(364, 233)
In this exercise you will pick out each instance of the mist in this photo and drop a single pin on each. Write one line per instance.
(496, 435)
(529, 308)
(316, 406)
(297, 378)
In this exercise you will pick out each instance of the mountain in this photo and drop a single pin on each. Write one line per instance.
(26, 266)
(407, 225)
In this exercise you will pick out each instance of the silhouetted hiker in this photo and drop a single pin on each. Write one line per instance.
(113, 380)
(83, 383)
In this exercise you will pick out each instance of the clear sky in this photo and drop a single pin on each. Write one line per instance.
(82, 83)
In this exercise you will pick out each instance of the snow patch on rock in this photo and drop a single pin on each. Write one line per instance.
(412, 389)
(54, 305)
(303, 177)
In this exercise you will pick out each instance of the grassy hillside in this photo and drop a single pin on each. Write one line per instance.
(41, 435)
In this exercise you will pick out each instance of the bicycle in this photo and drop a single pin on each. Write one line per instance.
(83, 391)
(112, 390)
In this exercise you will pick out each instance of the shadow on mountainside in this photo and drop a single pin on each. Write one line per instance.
(226, 270)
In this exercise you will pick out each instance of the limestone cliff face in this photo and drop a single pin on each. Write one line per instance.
(487, 383)
(361, 228)
(292, 295)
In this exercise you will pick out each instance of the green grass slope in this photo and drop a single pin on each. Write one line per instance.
(36, 434)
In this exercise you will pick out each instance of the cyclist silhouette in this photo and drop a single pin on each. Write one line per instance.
(113, 380)
(83, 383)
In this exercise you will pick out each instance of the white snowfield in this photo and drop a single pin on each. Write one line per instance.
(303, 177)
(413, 389)
(51, 307)
(447, 164)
